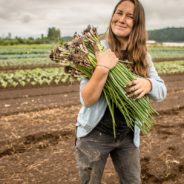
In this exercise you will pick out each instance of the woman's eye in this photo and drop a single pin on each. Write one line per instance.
(130, 17)
(119, 13)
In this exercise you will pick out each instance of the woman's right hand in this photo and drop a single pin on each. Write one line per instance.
(92, 90)
(106, 58)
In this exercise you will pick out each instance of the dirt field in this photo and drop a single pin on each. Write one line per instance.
(37, 137)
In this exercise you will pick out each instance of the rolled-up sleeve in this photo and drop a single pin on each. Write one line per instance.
(83, 81)
(159, 90)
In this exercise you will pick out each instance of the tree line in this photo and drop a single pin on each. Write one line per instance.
(171, 34)
(53, 36)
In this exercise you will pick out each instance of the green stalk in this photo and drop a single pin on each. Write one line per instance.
(134, 111)
(111, 108)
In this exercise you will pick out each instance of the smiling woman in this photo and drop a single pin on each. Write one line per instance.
(126, 40)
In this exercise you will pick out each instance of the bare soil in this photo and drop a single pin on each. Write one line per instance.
(38, 131)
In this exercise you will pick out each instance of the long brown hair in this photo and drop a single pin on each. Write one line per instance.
(136, 47)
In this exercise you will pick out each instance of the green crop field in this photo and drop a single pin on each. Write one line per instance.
(29, 65)
(166, 53)
(170, 67)
(33, 77)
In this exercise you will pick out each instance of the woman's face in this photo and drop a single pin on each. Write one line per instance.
(123, 20)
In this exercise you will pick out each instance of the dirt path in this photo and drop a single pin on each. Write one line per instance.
(39, 148)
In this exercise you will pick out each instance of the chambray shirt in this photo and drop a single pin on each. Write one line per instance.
(89, 117)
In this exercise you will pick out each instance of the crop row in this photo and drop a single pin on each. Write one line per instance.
(25, 51)
(26, 47)
(48, 76)
(170, 67)
(24, 62)
(166, 52)
(33, 77)
(33, 56)
(42, 51)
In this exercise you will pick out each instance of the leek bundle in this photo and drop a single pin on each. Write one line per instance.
(78, 59)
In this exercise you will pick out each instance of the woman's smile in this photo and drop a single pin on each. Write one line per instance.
(121, 27)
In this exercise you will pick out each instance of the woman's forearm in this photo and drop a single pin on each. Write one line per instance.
(91, 92)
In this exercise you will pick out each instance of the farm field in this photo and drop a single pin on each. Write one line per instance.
(37, 137)
(37, 134)
(29, 65)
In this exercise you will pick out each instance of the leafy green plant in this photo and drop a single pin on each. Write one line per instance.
(33, 77)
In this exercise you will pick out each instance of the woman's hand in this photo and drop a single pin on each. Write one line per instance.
(91, 92)
(106, 59)
(138, 88)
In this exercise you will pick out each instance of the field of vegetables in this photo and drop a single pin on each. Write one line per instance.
(30, 65)
(38, 113)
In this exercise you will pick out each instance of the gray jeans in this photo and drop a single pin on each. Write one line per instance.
(93, 150)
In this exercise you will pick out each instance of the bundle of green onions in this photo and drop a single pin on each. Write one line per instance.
(78, 59)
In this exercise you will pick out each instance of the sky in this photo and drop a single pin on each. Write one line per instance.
(33, 17)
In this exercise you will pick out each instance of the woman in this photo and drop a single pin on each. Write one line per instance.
(95, 141)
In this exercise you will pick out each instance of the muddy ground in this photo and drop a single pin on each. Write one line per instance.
(37, 137)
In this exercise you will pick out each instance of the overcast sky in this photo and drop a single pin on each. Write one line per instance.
(33, 17)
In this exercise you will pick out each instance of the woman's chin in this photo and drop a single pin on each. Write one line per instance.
(121, 34)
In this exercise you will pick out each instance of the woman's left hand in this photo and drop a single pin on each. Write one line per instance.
(138, 88)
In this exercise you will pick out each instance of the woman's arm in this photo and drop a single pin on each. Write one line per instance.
(159, 90)
(91, 91)
(153, 86)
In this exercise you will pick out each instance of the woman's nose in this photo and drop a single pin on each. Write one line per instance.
(122, 18)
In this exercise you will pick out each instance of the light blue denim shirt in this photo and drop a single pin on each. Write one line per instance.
(89, 117)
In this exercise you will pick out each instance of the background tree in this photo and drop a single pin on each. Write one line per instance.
(54, 34)
(170, 34)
